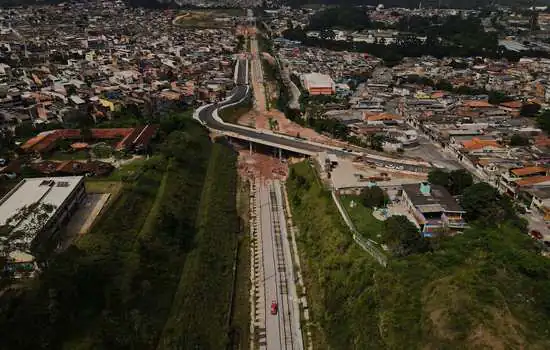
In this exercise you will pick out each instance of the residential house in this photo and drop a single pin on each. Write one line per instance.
(434, 209)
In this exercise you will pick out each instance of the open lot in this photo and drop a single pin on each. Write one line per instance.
(207, 18)
(348, 174)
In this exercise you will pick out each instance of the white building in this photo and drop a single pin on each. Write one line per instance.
(50, 203)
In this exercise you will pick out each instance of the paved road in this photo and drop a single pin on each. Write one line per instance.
(430, 152)
(282, 331)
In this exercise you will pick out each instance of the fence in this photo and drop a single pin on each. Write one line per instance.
(366, 244)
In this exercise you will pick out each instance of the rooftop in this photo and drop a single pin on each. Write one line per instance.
(434, 197)
(477, 143)
(43, 190)
(528, 171)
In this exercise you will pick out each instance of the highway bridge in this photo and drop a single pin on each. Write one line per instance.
(208, 116)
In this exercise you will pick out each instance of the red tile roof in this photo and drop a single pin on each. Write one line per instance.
(528, 170)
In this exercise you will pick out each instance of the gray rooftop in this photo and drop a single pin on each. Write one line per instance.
(437, 199)
(44, 190)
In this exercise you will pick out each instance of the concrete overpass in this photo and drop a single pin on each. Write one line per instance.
(208, 116)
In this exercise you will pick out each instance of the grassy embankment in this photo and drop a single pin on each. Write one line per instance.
(199, 315)
(362, 218)
(486, 288)
(233, 113)
(165, 236)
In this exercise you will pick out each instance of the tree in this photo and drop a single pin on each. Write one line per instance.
(455, 181)
(23, 226)
(438, 177)
(444, 85)
(376, 142)
(518, 140)
(7, 140)
(71, 90)
(459, 180)
(25, 130)
(373, 197)
(498, 97)
(543, 121)
(529, 109)
(403, 237)
(482, 202)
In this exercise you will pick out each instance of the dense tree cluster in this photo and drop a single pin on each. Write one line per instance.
(543, 121)
(519, 140)
(372, 197)
(402, 237)
(529, 109)
(452, 36)
(455, 181)
(484, 205)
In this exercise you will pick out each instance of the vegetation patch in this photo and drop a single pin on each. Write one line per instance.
(362, 218)
(200, 313)
(115, 288)
(208, 18)
(233, 113)
(486, 288)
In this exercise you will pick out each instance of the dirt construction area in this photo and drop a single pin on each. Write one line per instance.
(261, 120)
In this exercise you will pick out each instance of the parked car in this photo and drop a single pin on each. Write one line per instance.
(535, 234)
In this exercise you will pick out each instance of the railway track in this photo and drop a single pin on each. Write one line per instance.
(272, 273)
(285, 328)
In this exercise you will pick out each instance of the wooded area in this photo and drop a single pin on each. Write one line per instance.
(119, 285)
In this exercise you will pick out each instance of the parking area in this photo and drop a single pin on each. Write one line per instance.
(348, 174)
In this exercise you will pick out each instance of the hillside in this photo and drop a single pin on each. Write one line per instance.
(487, 288)
(161, 255)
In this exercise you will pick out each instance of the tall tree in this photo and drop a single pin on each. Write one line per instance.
(403, 237)
(23, 226)
(459, 180)
(482, 202)
(438, 177)
(529, 109)
(373, 197)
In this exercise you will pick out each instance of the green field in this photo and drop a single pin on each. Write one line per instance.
(486, 288)
(199, 315)
(65, 155)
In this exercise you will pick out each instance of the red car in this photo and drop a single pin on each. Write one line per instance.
(535, 234)
(274, 307)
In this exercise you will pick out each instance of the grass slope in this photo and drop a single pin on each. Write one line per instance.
(486, 288)
(115, 288)
(199, 317)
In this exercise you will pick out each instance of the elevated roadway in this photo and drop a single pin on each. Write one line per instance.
(208, 116)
